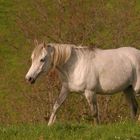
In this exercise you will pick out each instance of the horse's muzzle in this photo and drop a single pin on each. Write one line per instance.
(30, 80)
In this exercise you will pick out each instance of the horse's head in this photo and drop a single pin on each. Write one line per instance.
(41, 61)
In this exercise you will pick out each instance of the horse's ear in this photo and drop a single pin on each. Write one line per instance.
(36, 42)
(44, 44)
(50, 48)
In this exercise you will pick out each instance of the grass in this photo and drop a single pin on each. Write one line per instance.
(71, 131)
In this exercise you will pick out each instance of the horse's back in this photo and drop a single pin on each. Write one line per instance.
(130, 52)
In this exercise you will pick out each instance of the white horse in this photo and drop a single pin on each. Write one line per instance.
(89, 70)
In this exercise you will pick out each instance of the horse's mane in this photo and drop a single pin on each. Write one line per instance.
(62, 52)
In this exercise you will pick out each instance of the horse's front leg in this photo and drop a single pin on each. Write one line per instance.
(92, 101)
(61, 98)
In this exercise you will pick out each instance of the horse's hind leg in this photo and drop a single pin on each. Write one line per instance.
(130, 97)
(92, 101)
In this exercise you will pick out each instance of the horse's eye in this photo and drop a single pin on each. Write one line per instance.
(42, 60)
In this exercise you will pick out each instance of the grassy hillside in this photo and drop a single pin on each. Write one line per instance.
(120, 131)
(107, 24)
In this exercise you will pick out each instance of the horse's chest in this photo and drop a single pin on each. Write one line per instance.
(82, 77)
(77, 81)
(76, 86)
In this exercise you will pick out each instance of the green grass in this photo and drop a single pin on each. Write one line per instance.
(71, 131)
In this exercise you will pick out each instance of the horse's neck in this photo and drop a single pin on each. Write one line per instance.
(66, 70)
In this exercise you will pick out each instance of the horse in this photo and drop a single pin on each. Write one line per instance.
(89, 70)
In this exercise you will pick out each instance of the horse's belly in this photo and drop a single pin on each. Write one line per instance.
(116, 79)
(112, 87)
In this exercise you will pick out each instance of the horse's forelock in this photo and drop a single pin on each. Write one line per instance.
(37, 51)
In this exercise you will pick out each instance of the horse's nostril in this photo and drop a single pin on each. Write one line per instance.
(30, 78)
